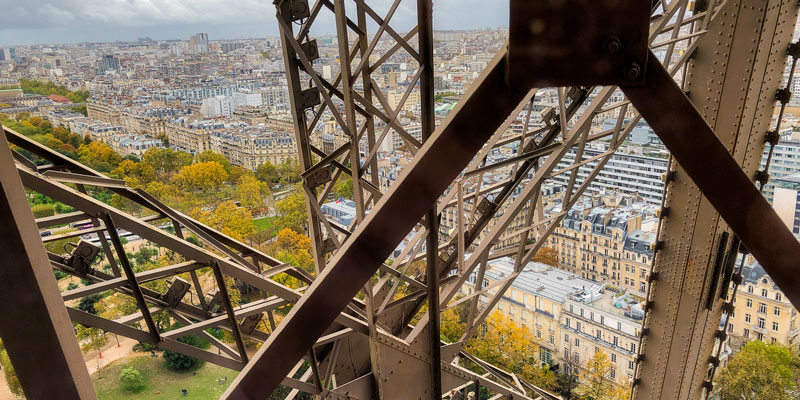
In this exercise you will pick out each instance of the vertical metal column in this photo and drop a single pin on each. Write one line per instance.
(425, 36)
(349, 106)
(292, 66)
(43, 350)
(732, 81)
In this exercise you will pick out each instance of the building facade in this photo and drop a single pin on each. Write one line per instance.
(604, 239)
(761, 311)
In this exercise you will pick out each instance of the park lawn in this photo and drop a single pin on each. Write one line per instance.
(158, 376)
(265, 224)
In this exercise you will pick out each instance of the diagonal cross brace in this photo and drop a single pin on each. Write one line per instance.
(443, 156)
(712, 168)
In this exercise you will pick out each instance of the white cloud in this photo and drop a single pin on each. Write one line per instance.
(31, 21)
(39, 13)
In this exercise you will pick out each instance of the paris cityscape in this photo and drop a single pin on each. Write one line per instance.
(206, 128)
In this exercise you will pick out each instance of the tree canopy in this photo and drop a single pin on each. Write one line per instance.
(760, 371)
(502, 343)
(48, 88)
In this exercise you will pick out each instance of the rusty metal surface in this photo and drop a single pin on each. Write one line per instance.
(578, 42)
(731, 81)
(695, 146)
(368, 346)
(43, 349)
(448, 151)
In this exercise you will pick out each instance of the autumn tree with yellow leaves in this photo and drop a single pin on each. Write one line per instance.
(597, 381)
(227, 218)
(502, 343)
(201, 176)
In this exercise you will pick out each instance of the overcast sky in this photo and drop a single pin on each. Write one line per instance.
(70, 21)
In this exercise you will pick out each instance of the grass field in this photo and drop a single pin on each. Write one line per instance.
(159, 377)
(265, 224)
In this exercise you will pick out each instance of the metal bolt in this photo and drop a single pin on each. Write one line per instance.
(633, 71)
(613, 45)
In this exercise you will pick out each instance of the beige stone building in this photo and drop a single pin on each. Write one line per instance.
(251, 115)
(761, 311)
(192, 136)
(253, 146)
(136, 122)
(331, 138)
(393, 97)
(103, 111)
(603, 240)
(10, 94)
(570, 318)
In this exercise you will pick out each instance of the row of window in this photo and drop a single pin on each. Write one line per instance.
(761, 323)
(765, 293)
(762, 307)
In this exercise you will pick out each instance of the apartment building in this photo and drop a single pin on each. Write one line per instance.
(785, 160)
(761, 311)
(331, 138)
(608, 238)
(133, 144)
(251, 115)
(634, 174)
(786, 201)
(395, 96)
(250, 147)
(569, 317)
(191, 136)
(97, 130)
(150, 121)
(103, 111)
(598, 319)
(551, 196)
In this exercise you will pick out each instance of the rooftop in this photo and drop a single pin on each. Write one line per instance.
(539, 279)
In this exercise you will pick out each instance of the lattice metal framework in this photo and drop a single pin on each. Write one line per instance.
(730, 67)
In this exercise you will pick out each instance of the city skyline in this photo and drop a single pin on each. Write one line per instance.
(70, 21)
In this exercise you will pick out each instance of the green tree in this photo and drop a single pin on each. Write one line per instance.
(452, 326)
(209, 155)
(48, 88)
(293, 248)
(131, 379)
(228, 218)
(91, 339)
(292, 212)
(267, 173)
(165, 161)
(99, 156)
(115, 306)
(597, 382)
(80, 109)
(547, 255)
(43, 210)
(250, 190)
(289, 171)
(344, 187)
(87, 303)
(237, 173)
(144, 255)
(178, 361)
(760, 371)
(135, 174)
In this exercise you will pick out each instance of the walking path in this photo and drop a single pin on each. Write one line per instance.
(111, 352)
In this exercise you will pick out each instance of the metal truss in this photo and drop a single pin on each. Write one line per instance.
(370, 348)
(66, 180)
(492, 219)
